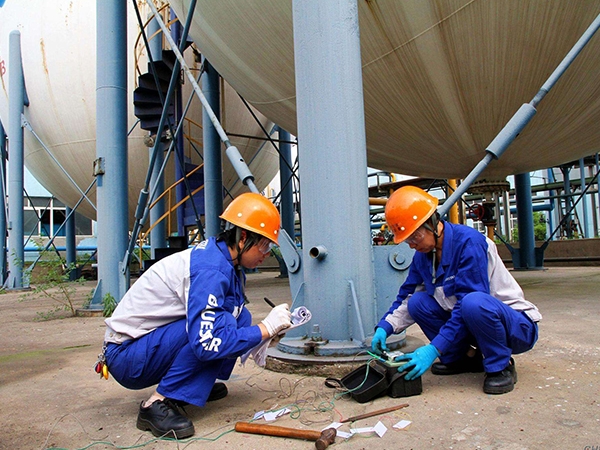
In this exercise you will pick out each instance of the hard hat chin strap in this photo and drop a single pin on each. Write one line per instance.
(435, 220)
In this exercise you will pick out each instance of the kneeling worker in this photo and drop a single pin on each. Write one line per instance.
(183, 323)
(461, 295)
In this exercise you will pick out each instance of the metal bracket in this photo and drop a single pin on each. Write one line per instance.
(99, 166)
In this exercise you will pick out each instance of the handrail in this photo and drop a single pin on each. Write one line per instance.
(166, 191)
(172, 208)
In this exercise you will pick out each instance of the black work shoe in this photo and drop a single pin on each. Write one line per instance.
(501, 382)
(218, 391)
(164, 419)
(465, 365)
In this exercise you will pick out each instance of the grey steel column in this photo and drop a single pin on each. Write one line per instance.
(3, 205)
(525, 220)
(285, 179)
(70, 243)
(336, 236)
(211, 144)
(16, 98)
(111, 149)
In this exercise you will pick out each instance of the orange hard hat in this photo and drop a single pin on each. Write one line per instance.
(407, 209)
(253, 212)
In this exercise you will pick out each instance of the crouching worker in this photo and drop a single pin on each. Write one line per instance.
(461, 295)
(183, 323)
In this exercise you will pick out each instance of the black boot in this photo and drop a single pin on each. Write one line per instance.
(501, 382)
(218, 391)
(164, 419)
(468, 364)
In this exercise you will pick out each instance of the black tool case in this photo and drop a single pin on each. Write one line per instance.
(364, 384)
(397, 385)
(375, 379)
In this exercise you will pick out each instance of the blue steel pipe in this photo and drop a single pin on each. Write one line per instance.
(179, 142)
(211, 144)
(584, 206)
(285, 180)
(70, 243)
(158, 238)
(525, 220)
(16, 99)
(111, 149)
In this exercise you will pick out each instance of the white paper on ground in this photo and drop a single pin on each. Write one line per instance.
(402, 424)
(273, 415)
(379, 428)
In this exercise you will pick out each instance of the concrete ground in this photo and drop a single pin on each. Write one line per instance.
(52, 398)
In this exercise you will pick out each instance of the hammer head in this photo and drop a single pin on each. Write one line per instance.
(327, 437)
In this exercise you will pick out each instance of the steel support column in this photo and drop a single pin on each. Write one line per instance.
(211, 144)
(180, 192)
(336, 237)
(525, 221)
(587, 227)
(568, 201)
(286, 182)
(111, 149)
(158, 234)
(3, 206)
(70, 245)
(16, 100)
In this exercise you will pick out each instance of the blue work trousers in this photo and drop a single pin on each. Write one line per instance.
(483, 321)
(165, 357)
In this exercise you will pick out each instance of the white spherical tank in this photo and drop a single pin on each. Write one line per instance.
(441, 78)
(58, 42)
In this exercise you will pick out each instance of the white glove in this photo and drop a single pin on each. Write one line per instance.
(279, 318)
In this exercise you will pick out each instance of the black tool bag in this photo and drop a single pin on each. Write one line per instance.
(375, 379)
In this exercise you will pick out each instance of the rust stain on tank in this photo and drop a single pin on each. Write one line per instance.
(43, 50)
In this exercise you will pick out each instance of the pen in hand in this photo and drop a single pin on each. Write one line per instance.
(269, 302)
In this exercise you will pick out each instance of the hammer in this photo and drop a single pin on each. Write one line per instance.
(322, 438)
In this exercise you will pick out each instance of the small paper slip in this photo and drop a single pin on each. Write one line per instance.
(402, 424)
(258, 415)
(273, 415)
(341, 434)
(300, 316)
(379, 428)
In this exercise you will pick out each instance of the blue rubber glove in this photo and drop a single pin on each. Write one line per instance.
(378, 342)
(420, 360)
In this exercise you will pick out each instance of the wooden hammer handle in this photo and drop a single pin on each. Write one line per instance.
(273, 430)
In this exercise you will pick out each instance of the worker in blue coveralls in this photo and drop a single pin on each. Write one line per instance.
(461, 295)
(183, 323)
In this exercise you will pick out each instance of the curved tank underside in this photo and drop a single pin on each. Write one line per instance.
(441, 78)
(58, 41)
